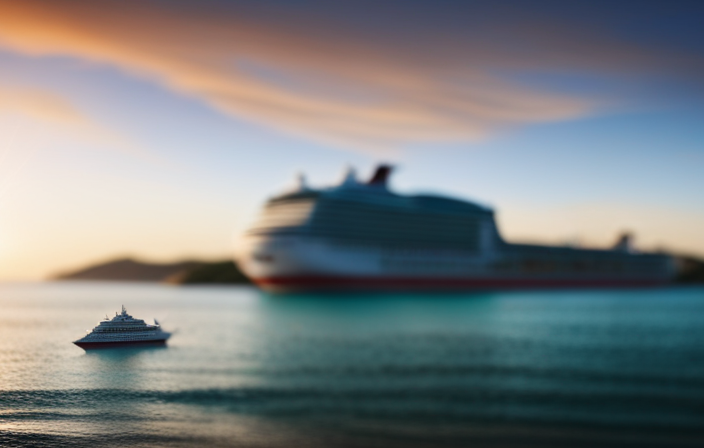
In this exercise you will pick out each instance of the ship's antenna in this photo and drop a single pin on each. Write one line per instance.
(350, 177)
(302, 184)
(124, 311)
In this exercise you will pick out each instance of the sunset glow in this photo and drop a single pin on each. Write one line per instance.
(156, 129)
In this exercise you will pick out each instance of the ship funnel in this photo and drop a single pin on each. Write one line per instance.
(381, 175)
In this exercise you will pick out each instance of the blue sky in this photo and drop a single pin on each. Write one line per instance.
(157, 130)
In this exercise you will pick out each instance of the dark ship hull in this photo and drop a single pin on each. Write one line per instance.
(120, 344)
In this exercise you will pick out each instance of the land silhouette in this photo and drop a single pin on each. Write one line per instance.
(690, 269)
(180, 273)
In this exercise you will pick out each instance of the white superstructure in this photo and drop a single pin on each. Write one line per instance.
(122, 330)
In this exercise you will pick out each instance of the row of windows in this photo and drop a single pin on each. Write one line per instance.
(370, 220)
(427, 265)
(566, 265)
(119, 330)
(121, 338)
(289, 214)
(394, 227)
(120, 334)
(132, 323)
(302, 207)
(580, 266)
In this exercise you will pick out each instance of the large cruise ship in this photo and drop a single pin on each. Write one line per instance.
(362, 236)
(123, 330)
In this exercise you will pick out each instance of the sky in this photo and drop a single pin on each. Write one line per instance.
(157, 128)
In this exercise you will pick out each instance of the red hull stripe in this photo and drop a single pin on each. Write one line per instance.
(98, 345)
(420, 283)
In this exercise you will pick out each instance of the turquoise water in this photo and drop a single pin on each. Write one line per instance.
(550, 368)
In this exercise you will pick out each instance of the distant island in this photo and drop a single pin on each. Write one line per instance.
(690, 269)
(180, 273)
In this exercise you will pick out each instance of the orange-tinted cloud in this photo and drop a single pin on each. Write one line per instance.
(59, 117)
(42, 105)
(322, 82)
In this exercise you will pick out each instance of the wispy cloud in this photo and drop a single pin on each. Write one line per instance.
(58, 116)
(321, 79)
(42, 105)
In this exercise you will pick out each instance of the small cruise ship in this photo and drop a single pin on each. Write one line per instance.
(123, 330)
(360, 235)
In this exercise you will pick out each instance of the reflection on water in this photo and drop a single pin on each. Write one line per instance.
(117, 368)
(604, 368)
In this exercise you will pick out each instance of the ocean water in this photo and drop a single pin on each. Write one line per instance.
(540, 368)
